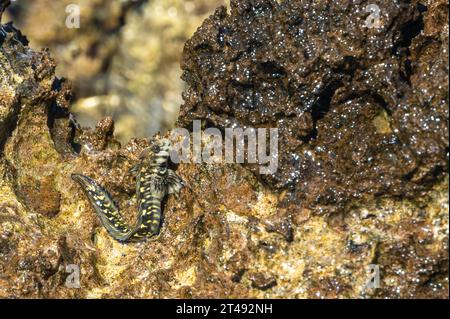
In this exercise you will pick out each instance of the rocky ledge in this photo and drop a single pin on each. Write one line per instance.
(363, 119)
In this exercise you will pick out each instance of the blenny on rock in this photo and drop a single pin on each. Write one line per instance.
(154, 181)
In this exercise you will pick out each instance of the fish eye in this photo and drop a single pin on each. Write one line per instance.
(156, 149)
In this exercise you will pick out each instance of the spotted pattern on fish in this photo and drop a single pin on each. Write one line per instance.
(153, 182)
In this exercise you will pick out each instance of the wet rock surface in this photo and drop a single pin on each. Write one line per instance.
(361, 111)
(232, 233)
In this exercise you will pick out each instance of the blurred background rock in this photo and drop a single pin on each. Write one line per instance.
(123, 61)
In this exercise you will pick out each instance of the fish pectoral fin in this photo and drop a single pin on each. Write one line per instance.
(174, 182)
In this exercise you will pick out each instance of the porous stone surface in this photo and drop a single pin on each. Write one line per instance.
(361, 111)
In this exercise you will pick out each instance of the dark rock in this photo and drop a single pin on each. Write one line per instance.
(361, 112)
(262, 281)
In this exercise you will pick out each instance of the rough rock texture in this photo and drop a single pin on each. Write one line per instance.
(246, 235)
(361, 111)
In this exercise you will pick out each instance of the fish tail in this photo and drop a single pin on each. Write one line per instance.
(105, 208)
